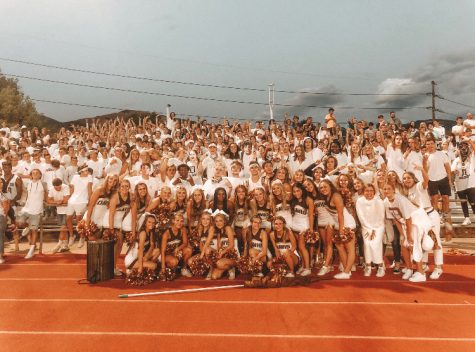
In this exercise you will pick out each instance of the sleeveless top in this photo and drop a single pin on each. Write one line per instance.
(255, 240)
(264, 213)
(9, 188)
(282, 243)
(174, 240)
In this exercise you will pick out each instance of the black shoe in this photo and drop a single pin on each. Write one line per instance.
(396, 270)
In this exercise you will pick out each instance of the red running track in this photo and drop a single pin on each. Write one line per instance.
(43, 308)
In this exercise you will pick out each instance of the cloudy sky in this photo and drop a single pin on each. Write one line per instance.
(302, 46)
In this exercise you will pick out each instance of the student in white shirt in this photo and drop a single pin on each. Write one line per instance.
(33, 209)
(58, 196)
(81, 191)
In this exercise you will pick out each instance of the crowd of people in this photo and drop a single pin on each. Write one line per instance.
(259, 190)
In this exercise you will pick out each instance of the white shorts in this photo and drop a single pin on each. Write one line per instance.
(79, 209)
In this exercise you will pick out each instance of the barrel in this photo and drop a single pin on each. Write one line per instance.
(100, 260)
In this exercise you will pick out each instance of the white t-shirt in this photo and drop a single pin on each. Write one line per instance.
(400, 209)
(59, 195)
(97, 167)
(436, 163)
(35, 198)
(152, 184)
(462, 172)
(420, 196)
(80, 194)
(395, 160)
(457, 132)
(413, 158)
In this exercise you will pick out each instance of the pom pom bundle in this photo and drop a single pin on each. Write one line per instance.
(168, 275)
(134, 278)
(164, 215)
(194, 239)
(211, 258)
(247, 266)
(229, 254)
(345, 236)
(109, 234)
(170, 250)
(130, 238)
(279, 267)
(311, 237)
(86, 231)
(199, 266)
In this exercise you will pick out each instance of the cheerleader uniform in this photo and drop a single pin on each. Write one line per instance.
(280, 210)
(420, 197)
(99, 211)
(122, 216)
(224, 242)
(131, 258)
(300, 220)
(256, 242)
(173, 241)
(264, 213)
(324, 217)
(283, 244)
(349, 220)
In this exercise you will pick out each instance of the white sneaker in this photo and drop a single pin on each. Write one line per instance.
(393, 264)
(260, 274)
(436, 274)
(425, 267)
(186, 273)
(324, 270)
(300, 270)
(232, 274)
(342, 276)
(290, 275)
(306, 272)
(2, 261)
(30, 253)
(117, 272)
(407, 274)
(381, 272)
(417, 277)
(57, 248)
(71, 241)
(64, 248)
(367, 270)
(25, 232)
(81, 242)
(466, 222)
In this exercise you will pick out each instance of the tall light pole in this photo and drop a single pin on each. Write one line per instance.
(271, 100)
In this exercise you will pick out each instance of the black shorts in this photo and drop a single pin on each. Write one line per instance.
(441, 186)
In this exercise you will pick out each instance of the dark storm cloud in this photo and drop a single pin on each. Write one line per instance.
(304, 100)
(454, 72)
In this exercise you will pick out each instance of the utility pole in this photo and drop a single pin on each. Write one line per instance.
(271, 101)
(433, 99)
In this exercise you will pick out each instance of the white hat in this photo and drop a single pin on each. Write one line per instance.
(211, 145)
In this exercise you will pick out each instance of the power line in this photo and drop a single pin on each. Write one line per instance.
(206, 98)
(121, 109)
(204, 84)
(456, 102)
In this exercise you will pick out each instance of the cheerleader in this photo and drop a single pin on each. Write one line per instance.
(371, 214)
(120, 205)
(302, 208)
(203, 228)
(162, 202)
(142, 198)
(146, 245)
(181, 202)
(262, 207)
(280, 202)
(341, 219)
(242, 211)
(256, 242)
(313, 193)
(225, 244)
(417, 193)
(100, 200)
(412, 224)
(221, 202)
(284, 245)
(195, 207)
(174, 241)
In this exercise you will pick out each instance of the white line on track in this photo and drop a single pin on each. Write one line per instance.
(90, 300)
(197, 282)
(220, 335)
